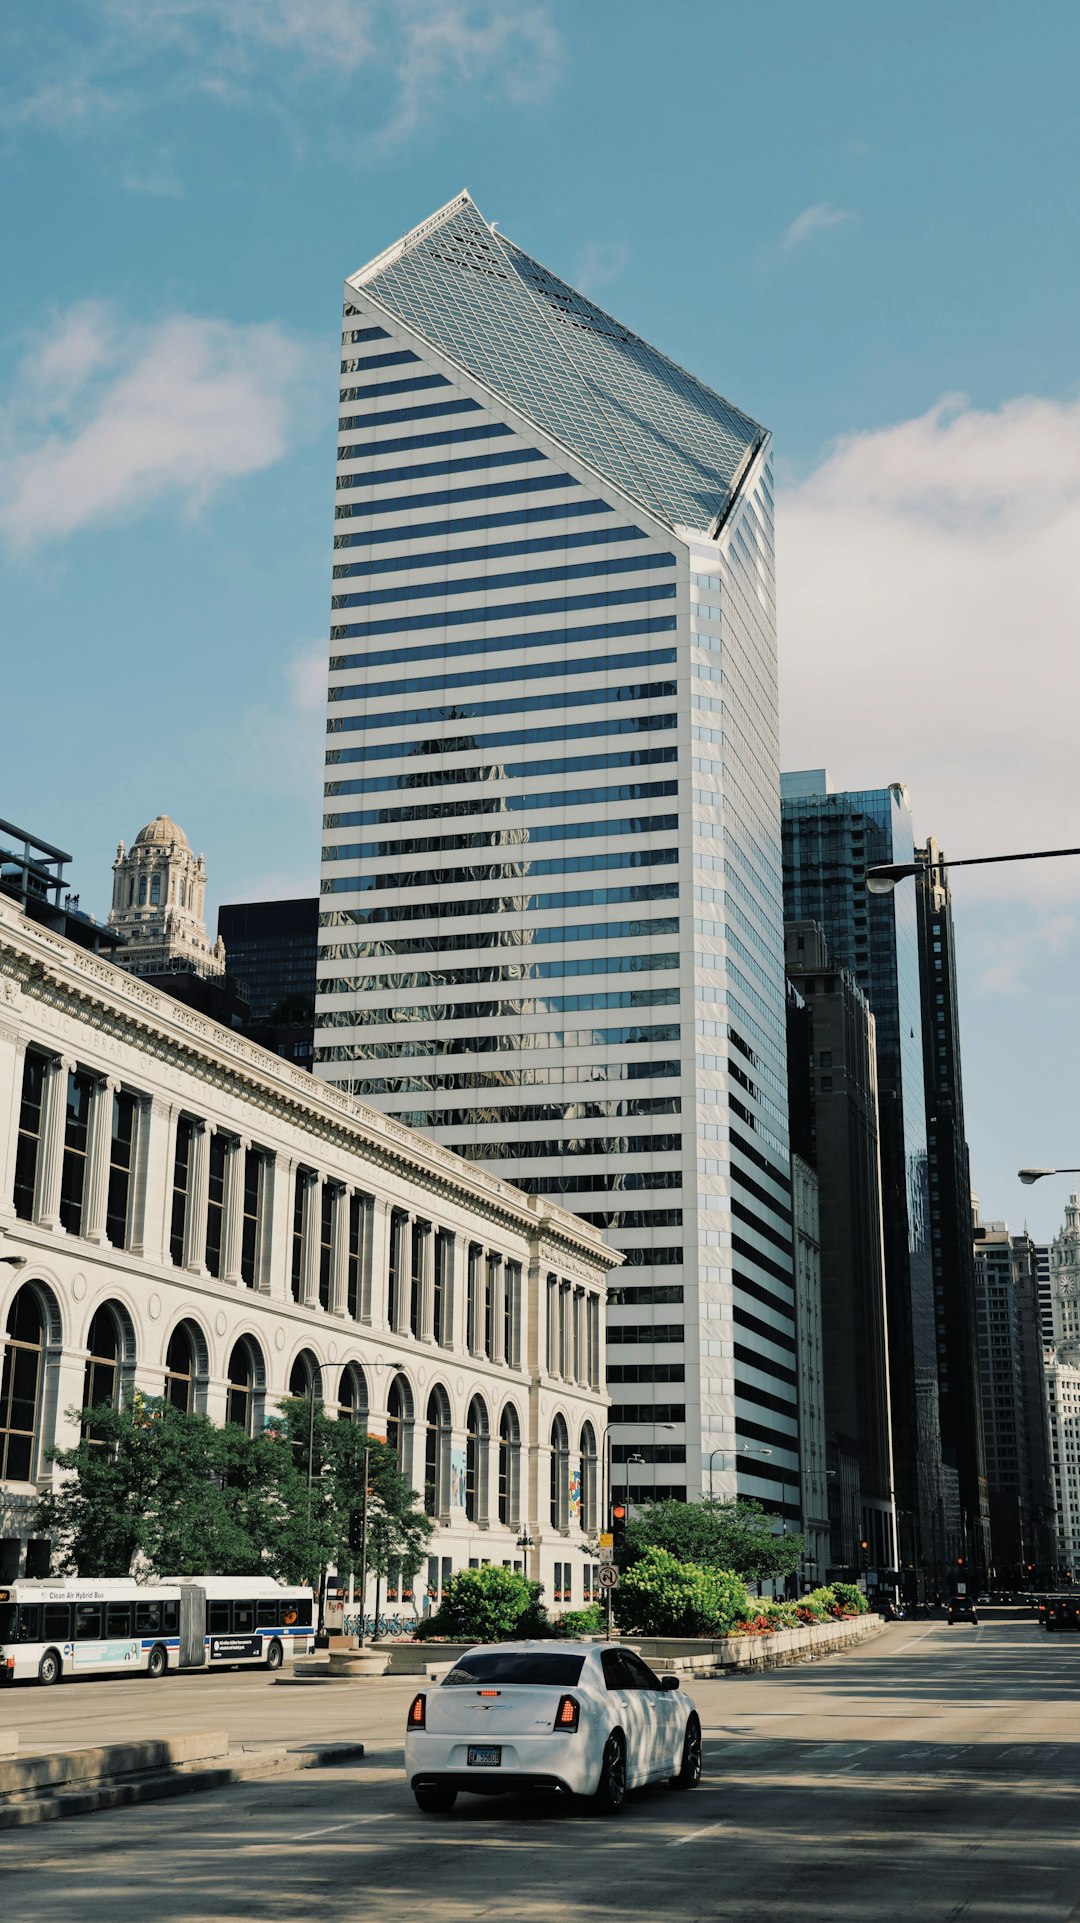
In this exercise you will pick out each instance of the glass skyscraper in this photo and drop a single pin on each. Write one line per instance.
(552, 919)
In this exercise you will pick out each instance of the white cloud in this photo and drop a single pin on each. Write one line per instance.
(929, 609)
(277, 745)
(105, 419)
(600, 262)
(413, 59)
(815, 220)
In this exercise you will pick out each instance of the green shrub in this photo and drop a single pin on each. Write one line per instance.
(850, 1597)
(579, 1623)
(661, 1596)
(488, 1605)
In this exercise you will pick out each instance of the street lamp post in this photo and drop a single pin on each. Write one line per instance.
(1030, 1175)
(735, 1453)
(883, 876)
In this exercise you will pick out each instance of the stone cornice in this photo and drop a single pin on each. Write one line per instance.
(50, 972)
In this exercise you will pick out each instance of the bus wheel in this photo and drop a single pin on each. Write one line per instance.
(49, 1668)
(157, 1663)
(275, 1656)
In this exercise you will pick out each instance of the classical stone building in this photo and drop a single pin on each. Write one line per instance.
(159, 904)
(1062, 1368)
(183, 1212)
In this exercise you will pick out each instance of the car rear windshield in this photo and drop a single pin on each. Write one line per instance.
(552, 1668)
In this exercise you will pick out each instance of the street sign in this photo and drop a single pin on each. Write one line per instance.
(609, 1576)
(607, 1554)
(607, 1540)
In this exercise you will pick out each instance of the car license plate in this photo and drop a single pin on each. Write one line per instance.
(485, 1758)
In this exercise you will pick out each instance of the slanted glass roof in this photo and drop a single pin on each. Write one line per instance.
(663, 437)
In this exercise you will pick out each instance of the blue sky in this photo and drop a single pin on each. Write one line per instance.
(861, 224)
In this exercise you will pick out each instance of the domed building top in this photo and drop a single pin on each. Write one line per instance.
(158, 905)
(164, 831)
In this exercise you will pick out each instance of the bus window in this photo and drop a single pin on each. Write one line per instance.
(87, 1622)
(302, 1607)
(243, 1618)
(147, 1618)
(268, 1615)
(117, 1619)
(288, 1613)
(20, 1623)
(217, 1618)
(172, 1618)
(57, 1624)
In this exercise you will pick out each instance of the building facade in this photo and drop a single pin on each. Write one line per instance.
(830, 839)
(183, 1213)
(1063, 1390)
(552, 793)
(159, 905)
(273, 949)
(949, 1183)
(810, 1367)
(1014, 1416)
(832, 1073)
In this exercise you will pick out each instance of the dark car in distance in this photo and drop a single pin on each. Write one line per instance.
(961, 1609)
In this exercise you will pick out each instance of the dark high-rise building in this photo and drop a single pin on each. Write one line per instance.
(830, 840)
(1013, 1398)
(832, 1083)
(1041, 1252)
(949, 1178)
(271, 949)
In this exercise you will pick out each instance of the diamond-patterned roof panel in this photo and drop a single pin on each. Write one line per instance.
(667, 440)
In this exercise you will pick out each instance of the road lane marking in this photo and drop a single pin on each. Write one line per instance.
(711, 1830)
(914, 1640)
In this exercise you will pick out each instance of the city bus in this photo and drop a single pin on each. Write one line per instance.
(50, 1630)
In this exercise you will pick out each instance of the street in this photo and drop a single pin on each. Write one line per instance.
(929, 1776)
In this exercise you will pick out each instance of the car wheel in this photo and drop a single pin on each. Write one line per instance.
(49, 1668)
(434, 1801)
(610, 1793)
(157, 1663)
(690, 1769)
(275, 1656)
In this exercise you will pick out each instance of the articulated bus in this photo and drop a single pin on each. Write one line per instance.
(51, 1630)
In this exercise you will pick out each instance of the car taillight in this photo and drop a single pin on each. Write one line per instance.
(568, 1714)
(418, 1713)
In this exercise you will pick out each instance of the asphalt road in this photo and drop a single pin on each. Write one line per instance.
(929, 1776)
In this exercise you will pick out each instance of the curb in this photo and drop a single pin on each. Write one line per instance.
(156, 1786)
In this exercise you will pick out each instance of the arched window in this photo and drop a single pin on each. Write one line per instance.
(20, 1387)
(180, 1368)
(305, 1376)
(103, 1377)
(509, 1467)
(437, 1454)
(155, 891)
(353, 1396)
(560, 1475)
(247, 1380)
(476, 1461)
(142, 891)
(588, 1511)
(399, 1422)
(182, 887)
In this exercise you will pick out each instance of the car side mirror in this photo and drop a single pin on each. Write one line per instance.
(670, 1682)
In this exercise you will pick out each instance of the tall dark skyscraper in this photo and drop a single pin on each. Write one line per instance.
(271, 949)
(1013, 1397)
(949, 1176)
(830, 840)
(832, 1077)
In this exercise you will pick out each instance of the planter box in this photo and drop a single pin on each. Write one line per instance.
(720, 1656)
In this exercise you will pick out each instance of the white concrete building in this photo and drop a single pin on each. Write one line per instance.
(1062, 1364)
(183, 1212)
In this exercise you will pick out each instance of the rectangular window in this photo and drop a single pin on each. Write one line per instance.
(147, 1619)
(267, 1615)
(512, 1309)
(217, 1618)
(443, 1259)
(356, 1232)
(215, 1200)
(243, 1618)
(254, 1182)
(76, 1144)
(118, 1619)
(326, 1243)
(296, 1276)
(56, 1622)
(183, 1169)
(121, 1160)
(87, 1622)
(29, 1140)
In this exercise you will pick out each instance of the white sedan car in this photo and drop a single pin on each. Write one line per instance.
(583, 1719)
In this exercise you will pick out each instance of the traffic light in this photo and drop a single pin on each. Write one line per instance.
(618, 1525)
(864, 1554)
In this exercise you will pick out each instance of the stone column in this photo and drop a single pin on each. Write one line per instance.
(98, 1154)
(51, 1148)
(427, 1282)
(339, 1273)
(402, 1228)
(233, 1251)
(498, 1302)
(151, 1178)
(12, 1066)
(309, 1275)
(198, 1189)
(458, 1269)
(378, 1262)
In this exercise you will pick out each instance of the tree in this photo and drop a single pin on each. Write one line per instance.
(488, 1605)
(398, 1529)
(737, 1533)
